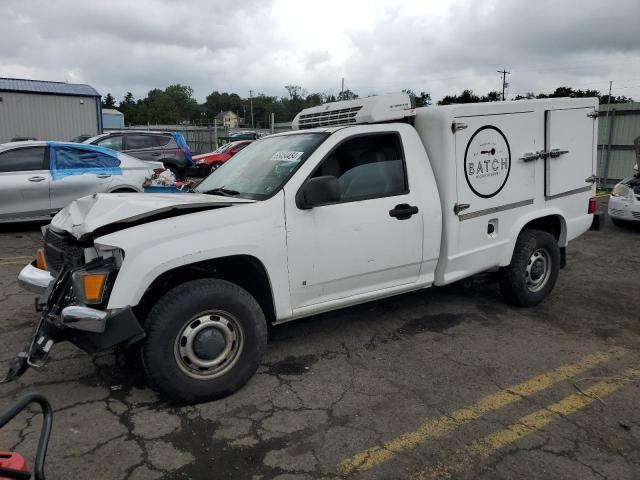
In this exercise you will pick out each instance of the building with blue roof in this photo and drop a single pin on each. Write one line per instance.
(43, 110)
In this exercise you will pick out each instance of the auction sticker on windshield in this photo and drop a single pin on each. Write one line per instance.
(286, 156)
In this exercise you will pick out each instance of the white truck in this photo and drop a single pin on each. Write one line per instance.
(363, 200)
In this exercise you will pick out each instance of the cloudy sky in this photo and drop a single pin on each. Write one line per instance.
(441, 46)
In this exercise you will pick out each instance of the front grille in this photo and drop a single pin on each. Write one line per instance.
(329, 118)
(615, 211)
(61, 250)
(636, 215)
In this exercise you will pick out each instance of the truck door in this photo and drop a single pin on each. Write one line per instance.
(493, 175)
(569, 159)
(371, 239)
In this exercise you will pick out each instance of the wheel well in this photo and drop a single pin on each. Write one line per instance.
(245, 271)
(124, 190)
(551, 224)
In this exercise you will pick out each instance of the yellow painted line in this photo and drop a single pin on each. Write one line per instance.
(527, 425)
(598, 195)
(444, 425)
(15, 260)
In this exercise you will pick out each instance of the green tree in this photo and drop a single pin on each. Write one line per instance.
(109, 101)
(422, 100)
(128, 108)
(347, 95)
(467, 96)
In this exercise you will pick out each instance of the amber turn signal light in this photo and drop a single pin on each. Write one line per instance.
(41, 263)
(93, 284)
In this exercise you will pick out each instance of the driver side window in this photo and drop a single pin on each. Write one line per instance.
(367, 166)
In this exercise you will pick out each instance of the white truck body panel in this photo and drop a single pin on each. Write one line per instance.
(515, 129)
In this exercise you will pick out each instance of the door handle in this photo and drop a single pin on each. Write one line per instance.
(156, 154)
(530, 157)
(403, 211)
(554, 153)
(36, 179)
(104, 175)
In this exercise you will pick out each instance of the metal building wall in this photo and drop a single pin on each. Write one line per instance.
(616, 154)
(47, 117)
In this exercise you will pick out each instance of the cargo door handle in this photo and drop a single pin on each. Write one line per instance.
(403, 211)
(530, 157)
(104, 175)
(555, 153)
(36, 179)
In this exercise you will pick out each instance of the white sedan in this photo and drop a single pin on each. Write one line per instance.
(39, 178)
(624, 204)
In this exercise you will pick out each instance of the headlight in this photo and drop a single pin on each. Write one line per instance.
(620, 190)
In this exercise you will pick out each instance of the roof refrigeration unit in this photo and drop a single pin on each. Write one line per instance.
(393, 107)
(47, 110)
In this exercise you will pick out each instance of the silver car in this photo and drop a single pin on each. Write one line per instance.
(39, 178)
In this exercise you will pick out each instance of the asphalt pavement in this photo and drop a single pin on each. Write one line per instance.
(443, 383)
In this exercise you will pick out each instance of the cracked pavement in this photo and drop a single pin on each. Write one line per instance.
(337, 384)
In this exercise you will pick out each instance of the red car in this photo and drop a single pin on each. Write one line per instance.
(207, 162)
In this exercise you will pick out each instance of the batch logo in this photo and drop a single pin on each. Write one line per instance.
(487, 161)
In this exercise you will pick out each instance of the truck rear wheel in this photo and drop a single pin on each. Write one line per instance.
(533, 270)
(205, 339)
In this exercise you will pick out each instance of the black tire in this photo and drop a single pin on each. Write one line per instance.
(175, 313)
(521, 283)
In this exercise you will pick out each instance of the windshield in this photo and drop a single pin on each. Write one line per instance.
(260, 169)
(223, 148)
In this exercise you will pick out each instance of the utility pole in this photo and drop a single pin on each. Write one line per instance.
(504, 73)
(251, 103)
(603, 175)
(342, 90)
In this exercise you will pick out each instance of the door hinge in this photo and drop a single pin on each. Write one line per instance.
(591, 179)
(458, 207)
(455, 126)
(593, 114)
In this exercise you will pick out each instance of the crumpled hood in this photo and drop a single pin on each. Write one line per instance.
(85, 215)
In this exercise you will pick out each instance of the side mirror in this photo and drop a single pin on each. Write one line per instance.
(318, 191)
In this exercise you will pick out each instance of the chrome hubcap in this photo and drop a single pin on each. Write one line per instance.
(208, 345)
(538, 270)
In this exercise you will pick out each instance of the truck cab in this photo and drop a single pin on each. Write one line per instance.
(364, 199)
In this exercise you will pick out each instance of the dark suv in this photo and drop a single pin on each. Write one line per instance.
(163, 147)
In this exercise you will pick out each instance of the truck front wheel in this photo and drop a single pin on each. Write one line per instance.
(533, 270)
(205, 339)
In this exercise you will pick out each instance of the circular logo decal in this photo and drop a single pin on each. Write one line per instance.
(487, 161)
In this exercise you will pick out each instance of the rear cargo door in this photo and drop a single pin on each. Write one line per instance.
(569, 159)
(492, 174)
(495, 178)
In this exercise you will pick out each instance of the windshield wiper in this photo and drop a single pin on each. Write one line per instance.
(222, 191)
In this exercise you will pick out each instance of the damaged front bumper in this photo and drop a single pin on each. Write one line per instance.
(91, 329)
